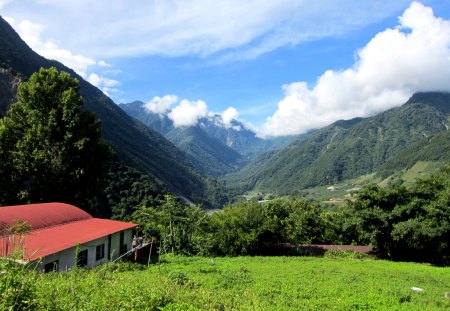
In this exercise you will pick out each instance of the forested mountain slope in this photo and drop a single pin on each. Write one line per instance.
(206, 153)
(347, 149)
(135, 144)
(212, 147)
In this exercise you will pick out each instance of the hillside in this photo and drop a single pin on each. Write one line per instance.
(212, 147)
(348, 149)
(206, 153)
(135, 144)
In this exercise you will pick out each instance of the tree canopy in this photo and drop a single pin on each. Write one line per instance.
(51, 149)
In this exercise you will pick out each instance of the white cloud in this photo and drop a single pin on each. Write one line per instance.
(187, 113)
(113, 93)
(31, 33)
(414, 56)
(161, 105)
(108, 86)
(102, 63)
(101, 81)
(234, 28)
(229, 115)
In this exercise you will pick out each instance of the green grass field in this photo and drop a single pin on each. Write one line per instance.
(249, 283)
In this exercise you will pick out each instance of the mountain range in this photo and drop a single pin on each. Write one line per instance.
(390, 141)
(211, 146)
(152, 156)
(135, 145)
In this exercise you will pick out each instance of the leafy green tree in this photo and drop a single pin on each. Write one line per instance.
(305, 224)
(369, 218)
(236, 230)
(422, 228)
(51, 149)
(179, 227)
(253, 228)
(404, 224)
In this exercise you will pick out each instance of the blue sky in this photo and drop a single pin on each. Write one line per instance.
(284, 66)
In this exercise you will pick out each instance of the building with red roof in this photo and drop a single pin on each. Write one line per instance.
(56, 231)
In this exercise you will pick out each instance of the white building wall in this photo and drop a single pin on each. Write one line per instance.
(66, 258)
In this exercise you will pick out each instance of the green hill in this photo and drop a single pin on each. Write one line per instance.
(432, 148)
(135, 144)
(348, 149)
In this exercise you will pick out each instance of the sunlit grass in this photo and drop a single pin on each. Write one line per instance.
(251, 283)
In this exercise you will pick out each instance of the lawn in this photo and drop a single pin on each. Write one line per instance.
(249, 283)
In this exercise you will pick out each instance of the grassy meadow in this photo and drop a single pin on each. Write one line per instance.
(249, 283)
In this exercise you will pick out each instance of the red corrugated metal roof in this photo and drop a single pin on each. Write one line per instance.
(44, 242)
(40, 215)
(54, 227)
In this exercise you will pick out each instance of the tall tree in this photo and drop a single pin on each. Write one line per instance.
(51, 149)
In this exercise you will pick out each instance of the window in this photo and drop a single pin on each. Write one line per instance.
(100, 252)
(123, 247)
(121, 237)
(51, 266)
(82, 259)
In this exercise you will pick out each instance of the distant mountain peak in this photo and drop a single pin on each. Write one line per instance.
(136, 145)
(201, 141)
(438, 100)
(417, 130)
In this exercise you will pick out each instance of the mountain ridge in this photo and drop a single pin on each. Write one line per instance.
(135, 144)
(236, 144)
(346, 149)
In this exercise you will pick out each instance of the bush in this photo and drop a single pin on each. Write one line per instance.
(17, 289)
(337, 253)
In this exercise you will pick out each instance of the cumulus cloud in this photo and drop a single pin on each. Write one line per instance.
(414, 56)
(229, 115)
(187, 113)
(161, 105)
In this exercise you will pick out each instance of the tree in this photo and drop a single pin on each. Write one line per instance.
(305, 224)
(404, 224)
(177, 226)
(50, 149)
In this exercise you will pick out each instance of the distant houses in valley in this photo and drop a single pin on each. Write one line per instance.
(58, 236)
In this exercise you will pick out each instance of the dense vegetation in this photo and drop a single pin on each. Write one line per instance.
(433, 148)
(401, 223)
(405, 224)
(126, 187)
(348, 149)
(134, 144)
(206, 153)
(51, 150)
(338, 281)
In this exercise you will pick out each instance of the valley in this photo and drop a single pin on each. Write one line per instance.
(222, 213)
(212, 163)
